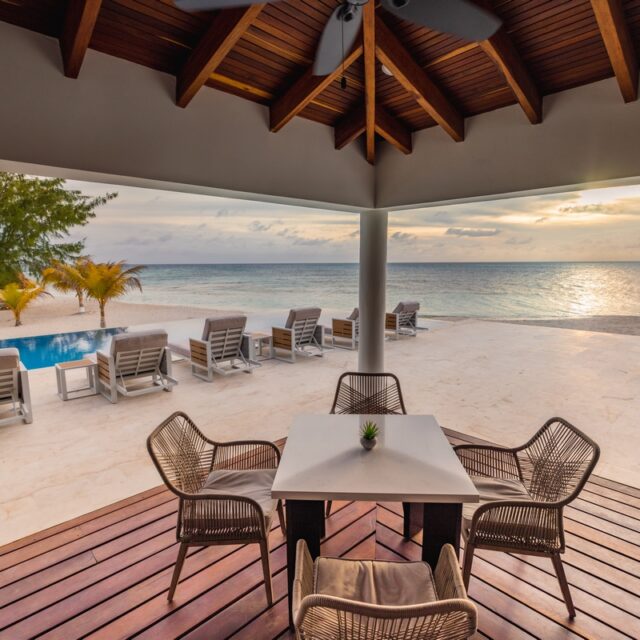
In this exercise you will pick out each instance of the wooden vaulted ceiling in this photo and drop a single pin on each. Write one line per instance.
(264, 53)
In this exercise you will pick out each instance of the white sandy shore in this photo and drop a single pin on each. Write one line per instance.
(493, 380)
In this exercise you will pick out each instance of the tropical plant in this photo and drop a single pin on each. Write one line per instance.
(104, 281)
(35, 217)
(17, 296)
(62, 276)
(369, 431)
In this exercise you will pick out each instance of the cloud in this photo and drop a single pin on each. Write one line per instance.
(401, 236)
(518, 241)
(222, 213)
(472, 233)
(256, 225)
(596, 207)
(540, 220)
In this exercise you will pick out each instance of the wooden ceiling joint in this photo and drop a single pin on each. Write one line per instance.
(79, 22)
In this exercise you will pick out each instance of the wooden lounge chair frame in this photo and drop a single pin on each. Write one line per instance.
(222, 346)
(134, 373)
(403, 323)
(304, 338)
(14, 390)
(345, 332)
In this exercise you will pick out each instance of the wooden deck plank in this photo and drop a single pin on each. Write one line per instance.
(105, 575)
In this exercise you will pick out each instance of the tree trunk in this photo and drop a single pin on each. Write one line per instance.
(103, 322)
(17, 317)
(80, 295)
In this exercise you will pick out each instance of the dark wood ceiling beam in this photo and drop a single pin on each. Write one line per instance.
(303, 91)
(369, 44)
(412, 77)
(225, 30)
(617, 39)
(354, 124)
(500, 48)
(79, 22)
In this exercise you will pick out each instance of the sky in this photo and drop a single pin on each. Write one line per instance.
(150, 226)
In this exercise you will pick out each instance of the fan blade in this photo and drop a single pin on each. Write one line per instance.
(212, 5)
(339, 35)
(458, 17)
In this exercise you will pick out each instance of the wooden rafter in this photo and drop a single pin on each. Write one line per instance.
(225, 30)
(354, 124)
(79, 22)
(413, 78)
(617, 39)
(303, 91)
(369, 43)
(500, 48)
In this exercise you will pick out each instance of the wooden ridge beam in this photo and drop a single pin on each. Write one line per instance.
(225, 30)
(500, 48)
(617, 40)
(354, 124)
(303, 91)
(79, 22)
(412, 77)
(369, 44)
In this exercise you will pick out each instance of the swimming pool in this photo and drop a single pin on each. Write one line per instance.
(44, 351)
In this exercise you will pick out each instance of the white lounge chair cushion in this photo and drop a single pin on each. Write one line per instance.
(493, 490)
(355, 314)
(252, 483)
(9, 358)
(407, 307)
(222, 324)
(137, 340)
(302, 313)
(375, 582)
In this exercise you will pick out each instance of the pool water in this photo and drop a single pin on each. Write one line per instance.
(45, 351)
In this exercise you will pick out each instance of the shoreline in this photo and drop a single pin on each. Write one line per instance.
(60, 315)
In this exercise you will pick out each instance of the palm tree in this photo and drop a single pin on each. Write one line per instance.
(18, 295)
(63, 277)
(104, 281)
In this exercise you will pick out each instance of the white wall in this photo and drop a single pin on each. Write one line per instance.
(588, 134)
(119, 119)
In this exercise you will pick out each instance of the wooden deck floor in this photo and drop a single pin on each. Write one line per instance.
(105, 575)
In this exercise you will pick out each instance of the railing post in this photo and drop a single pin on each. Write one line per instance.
(372, 293)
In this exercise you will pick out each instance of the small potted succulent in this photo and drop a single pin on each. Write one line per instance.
(368, 435)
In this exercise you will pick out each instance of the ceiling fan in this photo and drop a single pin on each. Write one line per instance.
(461, 18)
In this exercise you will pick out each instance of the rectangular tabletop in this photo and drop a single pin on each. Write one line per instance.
(412, 462)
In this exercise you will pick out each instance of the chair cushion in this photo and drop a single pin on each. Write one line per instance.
(407, 306)
(136, 340)
(255, 484)
(355, 314)
(493, 490)
(222, 324)
(302, 314)
(375, 582)
(9, 358)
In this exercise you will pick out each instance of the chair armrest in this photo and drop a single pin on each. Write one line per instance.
(282, 338)
(198, 351)
(519, 525)
(447, 576)
(489, 461)
(245, 455)
(390, 321)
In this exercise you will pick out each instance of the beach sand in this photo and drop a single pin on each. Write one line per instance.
(498, 381)
(60, 315)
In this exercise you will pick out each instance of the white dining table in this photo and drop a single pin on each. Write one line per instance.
(412, 462)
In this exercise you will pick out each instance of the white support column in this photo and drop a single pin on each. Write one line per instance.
(373, 284)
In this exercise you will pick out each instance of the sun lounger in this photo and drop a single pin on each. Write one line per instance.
(403, 320)
(301, 335)
(346, 331)
(220, 349)
(137, 363)
(14, 388)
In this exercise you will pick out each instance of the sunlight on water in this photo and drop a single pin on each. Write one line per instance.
(494, 290)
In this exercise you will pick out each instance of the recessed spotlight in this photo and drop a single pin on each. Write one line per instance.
(386, 70)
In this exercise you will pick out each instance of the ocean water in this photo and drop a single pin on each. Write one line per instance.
(484, 290)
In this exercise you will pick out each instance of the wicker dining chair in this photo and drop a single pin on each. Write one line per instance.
(523, 492)
(337, 599)
(224, 489)
(367, 393)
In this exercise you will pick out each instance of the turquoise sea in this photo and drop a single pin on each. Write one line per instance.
(489, 290)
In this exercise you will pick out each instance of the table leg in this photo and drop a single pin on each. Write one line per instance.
(305, 521)
(442, 525)
(413, 518)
